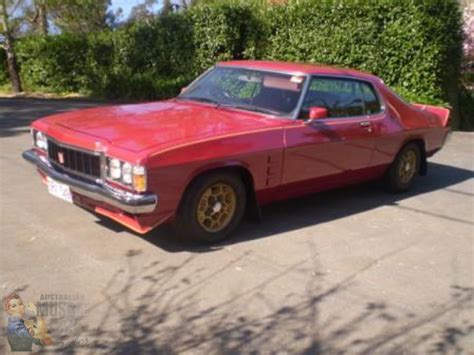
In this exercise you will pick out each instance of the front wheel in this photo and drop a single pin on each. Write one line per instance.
(404, 169)
(211, 208)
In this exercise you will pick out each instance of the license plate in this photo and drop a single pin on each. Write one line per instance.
(59, 190)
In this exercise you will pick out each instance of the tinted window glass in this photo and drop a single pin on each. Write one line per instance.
(372, 104)
(342, 98)
(248, 89)
(239, 85)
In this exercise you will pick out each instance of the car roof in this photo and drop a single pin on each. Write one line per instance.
(298, 68)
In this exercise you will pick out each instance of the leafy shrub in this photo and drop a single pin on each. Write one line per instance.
(99, 65)
(55, 63)
(225, 32)
(142, 60)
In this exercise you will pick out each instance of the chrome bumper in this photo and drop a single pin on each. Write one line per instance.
(126, 201)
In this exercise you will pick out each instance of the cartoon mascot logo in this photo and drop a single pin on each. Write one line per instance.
(23, 333)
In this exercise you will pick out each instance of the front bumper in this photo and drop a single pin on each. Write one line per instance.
(125, 201)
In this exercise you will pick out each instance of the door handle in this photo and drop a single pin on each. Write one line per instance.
(367, 125)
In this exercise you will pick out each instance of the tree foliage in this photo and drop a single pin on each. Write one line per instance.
(80, 16)
(35, 14)
(143, 11)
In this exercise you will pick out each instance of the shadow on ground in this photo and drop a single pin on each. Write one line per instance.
(155, 309)
(323, 207)
(17, 114)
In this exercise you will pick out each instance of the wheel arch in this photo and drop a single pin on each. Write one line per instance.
(243, 172)
(423, 158)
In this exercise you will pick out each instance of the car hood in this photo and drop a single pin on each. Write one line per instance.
(142, 126)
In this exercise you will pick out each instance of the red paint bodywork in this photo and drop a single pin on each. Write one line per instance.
(285, 157)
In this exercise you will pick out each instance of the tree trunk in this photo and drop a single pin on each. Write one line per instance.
(43, 19)
(12, 64)
(9, 48)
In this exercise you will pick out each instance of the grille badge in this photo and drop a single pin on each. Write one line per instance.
(61, 157)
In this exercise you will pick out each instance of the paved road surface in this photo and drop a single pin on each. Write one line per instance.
(348, 271)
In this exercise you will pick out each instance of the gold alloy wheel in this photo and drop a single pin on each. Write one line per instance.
(407, 167)
(216, 207)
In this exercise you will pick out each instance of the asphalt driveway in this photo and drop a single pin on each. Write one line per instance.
(348, 271)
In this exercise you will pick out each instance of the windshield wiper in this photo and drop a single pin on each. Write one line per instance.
(238, 106)
(252, 108)
(198, 98)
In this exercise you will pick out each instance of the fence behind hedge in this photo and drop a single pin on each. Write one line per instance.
(414, 45)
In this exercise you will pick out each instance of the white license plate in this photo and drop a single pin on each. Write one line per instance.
(59, 190)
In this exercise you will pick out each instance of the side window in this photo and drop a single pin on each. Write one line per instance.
(372, 104)
(341, 97)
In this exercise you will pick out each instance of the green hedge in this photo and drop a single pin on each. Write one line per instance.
(142, 61)
(414, 45)
(55, 63)
(226, 32)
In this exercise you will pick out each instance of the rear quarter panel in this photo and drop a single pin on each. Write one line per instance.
(404, 123)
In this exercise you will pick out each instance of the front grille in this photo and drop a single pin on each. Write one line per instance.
(75, 161)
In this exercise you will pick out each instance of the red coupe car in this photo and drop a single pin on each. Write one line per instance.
(243, 134)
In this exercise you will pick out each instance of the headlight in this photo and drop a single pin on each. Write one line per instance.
(115, 169)
(133, 176)
(40, 140)
(127, 173)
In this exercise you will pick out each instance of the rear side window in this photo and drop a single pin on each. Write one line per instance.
(372, 104)
(341, 97)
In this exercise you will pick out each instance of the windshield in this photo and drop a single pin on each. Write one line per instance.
(253, 90)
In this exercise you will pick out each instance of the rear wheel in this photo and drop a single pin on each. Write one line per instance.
(405, 168)
(211, 208)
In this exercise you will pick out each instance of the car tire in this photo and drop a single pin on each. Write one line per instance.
(404, 169)
(211, 208)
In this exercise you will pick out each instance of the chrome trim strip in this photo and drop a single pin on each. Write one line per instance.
(74, 172)
(249, 67)
(126, 201)
(103, 167)
(296, 112)
(74, 147)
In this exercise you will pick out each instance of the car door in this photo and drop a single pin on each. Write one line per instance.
(336, 148)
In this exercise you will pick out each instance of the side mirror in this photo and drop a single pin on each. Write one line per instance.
(317, 112)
